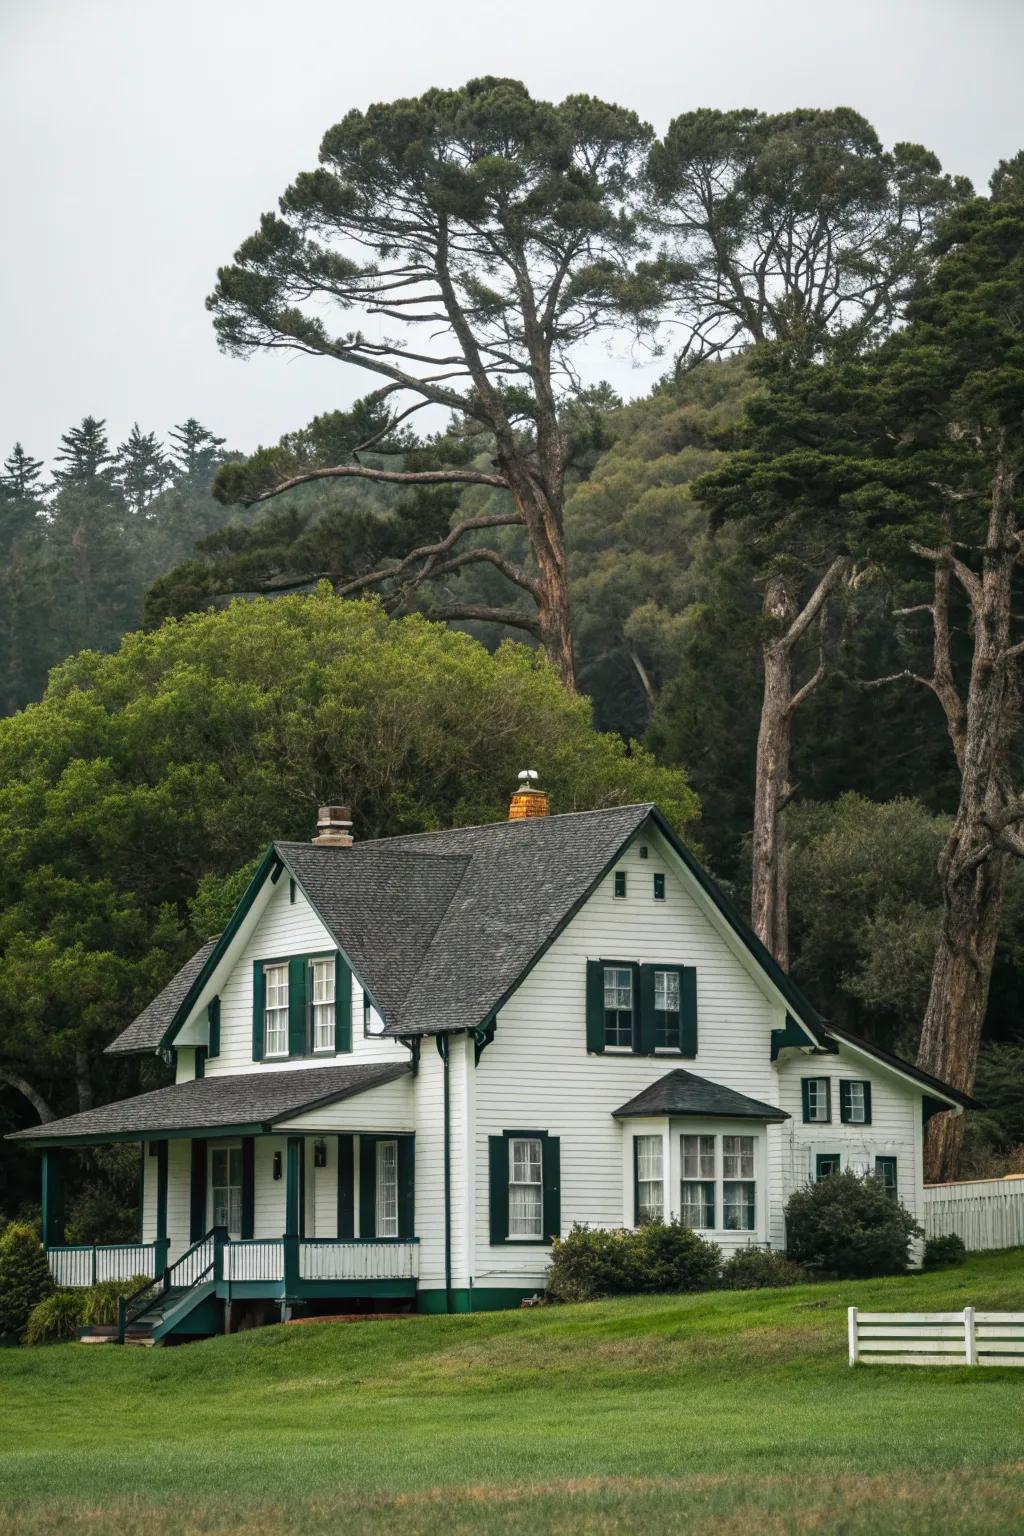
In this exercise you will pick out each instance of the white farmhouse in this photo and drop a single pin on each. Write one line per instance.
(405, 1065)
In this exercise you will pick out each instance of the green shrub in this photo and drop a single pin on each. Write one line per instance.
(56, 1318)
(755, 1269)
(101, 1299)
(848, 1225)
(658, 1257)
(944, 1252)
(24, 1277)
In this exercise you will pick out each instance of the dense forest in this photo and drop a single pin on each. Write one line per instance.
(781, 593)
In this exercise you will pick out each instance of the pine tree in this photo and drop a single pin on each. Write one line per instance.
(84, 454)
(195, 452)
(141, 469)
(21, 476)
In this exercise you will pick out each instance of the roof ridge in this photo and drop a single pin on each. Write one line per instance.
(480, 826)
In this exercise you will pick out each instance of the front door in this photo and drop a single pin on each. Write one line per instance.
(226, 1189)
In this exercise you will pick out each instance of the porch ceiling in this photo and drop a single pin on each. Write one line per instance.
(252, 1102)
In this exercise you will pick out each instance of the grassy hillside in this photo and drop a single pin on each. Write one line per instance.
(726, 1413)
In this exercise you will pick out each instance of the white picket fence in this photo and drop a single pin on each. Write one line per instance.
(984, 1213)
(936, 1338)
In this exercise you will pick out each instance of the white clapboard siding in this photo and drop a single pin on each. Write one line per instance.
(284, 927)
(936, 1338)
(983, 1213)
(537, 1075)
(358, 1261)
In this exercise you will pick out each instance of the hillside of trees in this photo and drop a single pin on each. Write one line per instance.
(784, 586)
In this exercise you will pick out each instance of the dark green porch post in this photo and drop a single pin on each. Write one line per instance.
(292, 1214)
(53, 1197)
(160, 1255)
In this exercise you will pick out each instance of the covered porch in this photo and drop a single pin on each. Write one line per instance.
(292, 1207)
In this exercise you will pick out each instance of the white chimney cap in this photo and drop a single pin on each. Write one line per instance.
(529, 776)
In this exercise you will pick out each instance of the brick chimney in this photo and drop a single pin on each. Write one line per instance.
(529, 799)
(334, 827)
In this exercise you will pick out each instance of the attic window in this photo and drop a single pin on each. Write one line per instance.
(659, 887)
(619, 887)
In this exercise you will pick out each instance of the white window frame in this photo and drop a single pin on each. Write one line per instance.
(707, 1173)
(278, 1025)
(645, 1142)
(619, 971)
(733, 1177)
(385, 1193)
(322, 1009)
(518, 1166)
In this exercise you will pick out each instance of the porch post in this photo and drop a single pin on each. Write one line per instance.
(160, 1246)
(197, 1192)
(53, 1197)
(292, 1214)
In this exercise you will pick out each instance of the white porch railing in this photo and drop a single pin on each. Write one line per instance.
(254, 1259)
(328, 1259)
(984, 1213)
(193, 1264)
(78, 1266)
(936, 1338)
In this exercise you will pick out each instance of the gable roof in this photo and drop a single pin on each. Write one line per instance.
(231, 1101)
(146, 1032)
(684, 1093)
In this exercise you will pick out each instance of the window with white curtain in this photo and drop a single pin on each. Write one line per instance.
(525, 1187)
(618, 1005)
(386, 1203)
(738, 1188)
(321, 992)
(718, 1188)
(698, 1194)
(650, 1178)
(275, 1010)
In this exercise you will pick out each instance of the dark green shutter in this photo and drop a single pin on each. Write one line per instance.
(248, 1186)
(342, 1004)
(643, 1009)
(298, 969)
(498, 1158)
(595, 1006)
(259, 989)
(867, 1103)
(688, 1010)
(293, 1189)
(406, 1186)
(346, 1187)
(367, 1187)
(551, 1172)
(200, 1062)
(213, 1019)
(844, 1101)
(197, 1192)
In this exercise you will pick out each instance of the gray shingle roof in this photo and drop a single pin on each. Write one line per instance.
(146, 1032)
(218, 1103)
(443, 924)
(684, 1093)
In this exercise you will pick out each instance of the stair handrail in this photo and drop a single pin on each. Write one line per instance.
(131, 1307)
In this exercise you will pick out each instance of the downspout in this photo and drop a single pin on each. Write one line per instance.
(442, 1047)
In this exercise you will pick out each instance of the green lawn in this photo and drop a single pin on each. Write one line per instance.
(721, 1415)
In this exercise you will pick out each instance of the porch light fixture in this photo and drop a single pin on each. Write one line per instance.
(319, 1153)
(277, 1165)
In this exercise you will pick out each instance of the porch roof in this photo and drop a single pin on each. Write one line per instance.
(249, 1102)
(684, 1093)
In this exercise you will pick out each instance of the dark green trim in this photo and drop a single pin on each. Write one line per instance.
(199, 1063)
(299, 1043)
(53, 1199)
(643, 1015)
(595, 1006)
(342, 1003)
(480, 1298)
(659, 887)
(822, 1158)
(805, 1099)
(213, 1023)
(792, 1035)
(346, 1186)
(446, 1115)
(197, 1192)
(248, 1186)
(551, 1185)
(483, 1037)
(293, 1187)
(188, 1133)
(845, 1106)
(619, 886)
(291, 889)
(688, 1011)
(259, 993)
(161, 1191)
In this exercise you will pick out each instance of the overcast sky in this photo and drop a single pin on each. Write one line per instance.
(141, 139)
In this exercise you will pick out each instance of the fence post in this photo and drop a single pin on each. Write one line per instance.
(970, 1343)
(120, 1319)
(852, 1329)
(94, 1263)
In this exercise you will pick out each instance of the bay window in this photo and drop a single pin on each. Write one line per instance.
(718, 1184)
(738, 1189)
(698, 1202)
